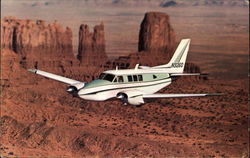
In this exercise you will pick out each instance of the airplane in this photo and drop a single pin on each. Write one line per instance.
(131, 86)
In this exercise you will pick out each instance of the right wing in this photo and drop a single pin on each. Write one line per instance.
(188, 74)
(55, 77)
(177, 95)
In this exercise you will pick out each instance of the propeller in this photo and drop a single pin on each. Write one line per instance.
(70, 89)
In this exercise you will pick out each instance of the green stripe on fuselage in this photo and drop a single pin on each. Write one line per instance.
(146, 78)
(98, 91)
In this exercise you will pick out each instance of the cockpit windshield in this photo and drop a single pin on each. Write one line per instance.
(108, 77)
(101, 76)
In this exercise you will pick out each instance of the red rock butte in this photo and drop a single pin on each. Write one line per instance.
(156, 34)
(25, 36)
(92, 45)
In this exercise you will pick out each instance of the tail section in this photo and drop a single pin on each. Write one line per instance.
(178, 60)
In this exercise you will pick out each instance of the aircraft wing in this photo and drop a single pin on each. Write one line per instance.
(177, 95)
(55, 77)
(188, 74)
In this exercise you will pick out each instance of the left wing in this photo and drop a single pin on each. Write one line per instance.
(55, 77)
(177, 95)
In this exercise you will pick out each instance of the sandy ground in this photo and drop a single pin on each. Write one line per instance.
(39, 120)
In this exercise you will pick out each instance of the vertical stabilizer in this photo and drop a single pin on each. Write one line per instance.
(177, 62)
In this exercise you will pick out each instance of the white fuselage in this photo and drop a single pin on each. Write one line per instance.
(107, 91)
(131, 86)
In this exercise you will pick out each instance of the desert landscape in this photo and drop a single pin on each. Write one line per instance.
(40, 119)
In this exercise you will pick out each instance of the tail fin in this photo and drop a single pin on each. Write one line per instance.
(178, 60)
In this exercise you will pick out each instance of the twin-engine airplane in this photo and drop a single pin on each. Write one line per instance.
(131, 85)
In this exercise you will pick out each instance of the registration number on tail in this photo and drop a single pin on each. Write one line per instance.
(177, 64)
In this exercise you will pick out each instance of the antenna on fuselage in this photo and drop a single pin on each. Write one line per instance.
(136, 66)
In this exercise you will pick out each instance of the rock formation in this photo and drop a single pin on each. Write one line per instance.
(27, 36)
(91, 49)
(7, 29)
(37, 44)
(156, 45)
(156, 34)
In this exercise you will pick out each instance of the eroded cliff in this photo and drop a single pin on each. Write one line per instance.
(156, 34)
(91, 48)
(26, 36)
(38, 44)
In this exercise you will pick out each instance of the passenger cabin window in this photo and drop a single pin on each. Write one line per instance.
(135, 77)
(154, 77)
(130, 79)
(140, 78)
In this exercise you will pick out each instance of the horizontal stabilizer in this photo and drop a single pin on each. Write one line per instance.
(55, 77)
(188, 74)
(178, 95)
(144, 67)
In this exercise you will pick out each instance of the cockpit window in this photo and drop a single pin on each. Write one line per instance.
(120, 78)
(108, 77)
(102, 75)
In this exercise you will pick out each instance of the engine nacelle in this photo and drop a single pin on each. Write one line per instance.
(136, 100)
(74, 88)
(131, 97)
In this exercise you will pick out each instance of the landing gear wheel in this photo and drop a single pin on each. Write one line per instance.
(123, 97)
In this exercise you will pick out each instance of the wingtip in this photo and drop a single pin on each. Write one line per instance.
(32, 70)
(215, 94)
(187, 39)
(204, 74)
